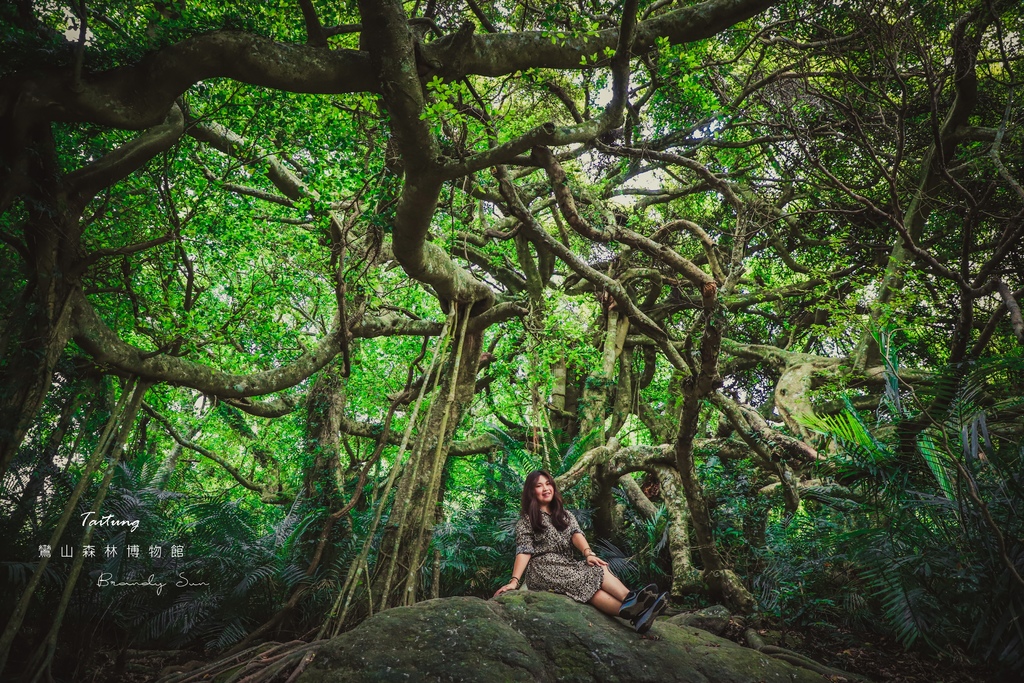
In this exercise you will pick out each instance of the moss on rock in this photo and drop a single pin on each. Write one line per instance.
(714, 619)
(534, 636)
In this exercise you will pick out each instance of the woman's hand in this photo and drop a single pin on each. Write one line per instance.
(510, 586)
(595, 561)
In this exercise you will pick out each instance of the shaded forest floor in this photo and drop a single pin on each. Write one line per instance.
(873, 655)
(876, 656)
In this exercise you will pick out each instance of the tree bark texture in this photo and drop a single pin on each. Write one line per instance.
(37, 334)
(722, 581)
(685, 577)
(413, 515)
(324, 415)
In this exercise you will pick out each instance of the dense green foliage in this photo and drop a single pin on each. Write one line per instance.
(318, 293)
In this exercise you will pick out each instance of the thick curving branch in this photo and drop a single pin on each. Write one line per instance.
(496, 314)
(617, 461)
(500, 54)
(128, 158)
(536, 232)
(657, 250)
(139, 96)
(103, 344)
(543, 134)
(278, 406)
(771, 444)
(393, 62)
(394, 325)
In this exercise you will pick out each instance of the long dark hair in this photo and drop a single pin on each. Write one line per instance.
(531, 507)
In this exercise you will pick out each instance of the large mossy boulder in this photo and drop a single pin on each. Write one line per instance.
(534, 636)
(714, 619)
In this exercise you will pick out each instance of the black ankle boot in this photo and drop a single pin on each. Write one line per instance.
(644, 622)
(636, 601)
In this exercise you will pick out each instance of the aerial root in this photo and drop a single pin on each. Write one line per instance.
(260, 664)
(755, 642)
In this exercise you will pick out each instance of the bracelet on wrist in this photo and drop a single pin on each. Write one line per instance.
(516, 579)
(588, 552)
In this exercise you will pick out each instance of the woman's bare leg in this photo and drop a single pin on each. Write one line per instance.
(606, 603)
(611, 585)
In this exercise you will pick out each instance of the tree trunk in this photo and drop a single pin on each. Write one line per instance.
(593, 412)
(755, 519)
(598, 389)
(324, 412)
(722, 581)
(565, 399)
(685, 577)
(410, 525)
(602, 501)
(623, 402)
(37, 340)
(38, 331)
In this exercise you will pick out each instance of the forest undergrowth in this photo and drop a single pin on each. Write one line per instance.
(296, 293)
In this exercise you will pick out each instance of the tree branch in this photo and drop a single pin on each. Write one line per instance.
(484, 443)
(617, 461)
(393, 62)
(266, 494)
(1013, 307)
(662, 252)
(102, 343)
(139, 96)
(500, 54)
(536, 232)
(122, 251)
(128, 158)
(315, 34)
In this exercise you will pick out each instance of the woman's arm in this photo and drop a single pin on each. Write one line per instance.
(580, 541)
(518, 567)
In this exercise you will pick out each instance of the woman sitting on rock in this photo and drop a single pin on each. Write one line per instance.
(545, 535)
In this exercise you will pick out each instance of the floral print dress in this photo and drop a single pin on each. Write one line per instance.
(552, 567)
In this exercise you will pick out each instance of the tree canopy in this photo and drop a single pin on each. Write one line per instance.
(330, 278)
